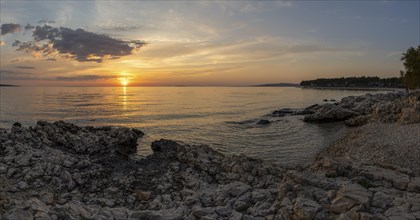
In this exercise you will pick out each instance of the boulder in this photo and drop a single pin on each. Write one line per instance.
(330, 113)
(306, 208)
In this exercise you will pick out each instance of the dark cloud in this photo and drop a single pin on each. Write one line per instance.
(25, 67)
(10, 28)
(77, 44)
(121, 27)
(34, 48)
(16, 43)
(84, 77)
(46, 21)
(29, 27)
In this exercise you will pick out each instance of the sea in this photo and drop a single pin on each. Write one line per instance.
(225, 118)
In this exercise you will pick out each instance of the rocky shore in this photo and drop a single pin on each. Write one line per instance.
(62, 171)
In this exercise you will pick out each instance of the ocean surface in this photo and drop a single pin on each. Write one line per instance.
(222, 117)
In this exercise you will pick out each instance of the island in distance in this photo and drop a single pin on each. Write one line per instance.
(343, 82)
(8, 85)
(278, 85)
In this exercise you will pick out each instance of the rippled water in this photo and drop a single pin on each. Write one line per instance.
(222, 117)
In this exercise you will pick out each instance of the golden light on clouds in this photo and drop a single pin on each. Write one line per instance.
(222, 43)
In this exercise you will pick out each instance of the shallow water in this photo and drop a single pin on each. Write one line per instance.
(223, 117)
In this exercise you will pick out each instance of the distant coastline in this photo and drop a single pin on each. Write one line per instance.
(353, 88)
(8, 85)
(278, 85)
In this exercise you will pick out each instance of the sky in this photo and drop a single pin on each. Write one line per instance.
(203, 43)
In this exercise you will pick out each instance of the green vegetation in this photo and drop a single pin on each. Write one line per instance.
(363, 81)
(411, 76)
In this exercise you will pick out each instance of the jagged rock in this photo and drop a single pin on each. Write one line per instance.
(236, 188)
(18, 214)
(200, 212)
(306, 209)
(292, 111)
(84, 173)
(143, 195)
(414, 185)
(360, 110)
(330, 113)
(382, 200)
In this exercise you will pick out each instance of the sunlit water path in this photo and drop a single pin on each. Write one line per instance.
(222, 117)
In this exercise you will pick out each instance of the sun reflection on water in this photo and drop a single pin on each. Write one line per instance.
(124, 103)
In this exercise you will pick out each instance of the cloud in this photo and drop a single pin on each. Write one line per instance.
(77, 44)
(34, 48)
(10, 28)
(13, 72)
(29, 27)
(84, 78)
(25, 67)
(46, 21)
(16, 75)
(283, 4)
(121, 27)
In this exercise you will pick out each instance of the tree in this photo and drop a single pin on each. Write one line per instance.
(411, 76)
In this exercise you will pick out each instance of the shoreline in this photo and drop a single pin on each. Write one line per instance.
(60, 170)
(355, 88)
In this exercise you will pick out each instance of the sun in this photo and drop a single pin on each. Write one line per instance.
(124, 81)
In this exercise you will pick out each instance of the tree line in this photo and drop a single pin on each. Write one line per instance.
(409, 78)
(364, 81)
(411, 60)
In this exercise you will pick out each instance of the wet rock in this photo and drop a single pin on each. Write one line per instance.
(293, 111)
(164, 146)
(330, 113)
(360, 110)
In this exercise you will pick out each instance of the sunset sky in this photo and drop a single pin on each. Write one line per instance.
(106, 43)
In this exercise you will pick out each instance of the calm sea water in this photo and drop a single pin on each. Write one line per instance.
(222, 117)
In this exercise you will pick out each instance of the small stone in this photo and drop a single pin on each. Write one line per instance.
(22, 185)
(223, 211)
(200, 211)
(414, 185)
(306, 208)
(143, 195)
(47, 198)
(18, 214)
